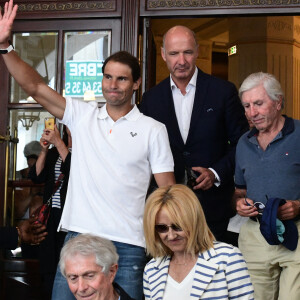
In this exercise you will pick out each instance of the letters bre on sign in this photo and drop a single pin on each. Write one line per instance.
(82, 77)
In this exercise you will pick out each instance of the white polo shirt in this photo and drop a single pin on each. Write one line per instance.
(111, 167)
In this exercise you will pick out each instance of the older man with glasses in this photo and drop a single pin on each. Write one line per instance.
(268, 166)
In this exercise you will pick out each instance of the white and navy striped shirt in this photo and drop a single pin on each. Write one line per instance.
(221, 273)
(56, 196)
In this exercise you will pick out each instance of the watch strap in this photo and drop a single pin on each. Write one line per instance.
(7, 50)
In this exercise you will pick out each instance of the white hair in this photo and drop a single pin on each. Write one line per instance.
(87, 244)
(269, 82)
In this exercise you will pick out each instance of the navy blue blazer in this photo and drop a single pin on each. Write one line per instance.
(217, 122)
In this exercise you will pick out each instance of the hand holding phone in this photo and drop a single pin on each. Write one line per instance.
(191, 177)
(49, 124)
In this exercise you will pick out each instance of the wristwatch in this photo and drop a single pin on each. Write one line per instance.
(8, 49)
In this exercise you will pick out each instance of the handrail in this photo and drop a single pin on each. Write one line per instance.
(8, 140)
(14, 177)
(6, 178)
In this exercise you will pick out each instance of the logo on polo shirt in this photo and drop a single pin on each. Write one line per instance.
(133, 134)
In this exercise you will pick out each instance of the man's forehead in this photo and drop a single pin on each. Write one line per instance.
(117, 69)
(255, 94)
(177, 35)
(115, 65)
(81, 264)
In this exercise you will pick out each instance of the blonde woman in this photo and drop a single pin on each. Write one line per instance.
(187, 263)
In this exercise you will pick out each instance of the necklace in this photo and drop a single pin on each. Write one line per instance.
(180, 264)
(186, 260)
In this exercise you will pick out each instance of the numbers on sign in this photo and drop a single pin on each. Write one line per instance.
(97, 87)
(76, 88)
(67, 88)
(86, 86)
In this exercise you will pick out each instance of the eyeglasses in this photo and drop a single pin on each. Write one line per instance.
(163, 228)
(259, 206)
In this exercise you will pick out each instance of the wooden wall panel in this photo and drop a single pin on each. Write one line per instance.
(130, 17)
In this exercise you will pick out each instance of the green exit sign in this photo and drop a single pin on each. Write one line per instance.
(232, 50)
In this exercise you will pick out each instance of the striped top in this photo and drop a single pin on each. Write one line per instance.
(57, 171)
(221, 273)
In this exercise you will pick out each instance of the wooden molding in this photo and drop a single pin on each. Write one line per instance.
(201, 7)
(67, 9)
(192, 4)
(68, 6)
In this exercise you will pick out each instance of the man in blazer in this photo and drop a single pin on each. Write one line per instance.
(204, 120)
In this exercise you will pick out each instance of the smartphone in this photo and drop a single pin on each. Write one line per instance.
(191, 177)
(49, 123)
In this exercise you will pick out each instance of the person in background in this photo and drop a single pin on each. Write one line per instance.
(31, 152)
(90, 264)
(187, 263)
(27, 199)
(268, 166)
(204, 120)
(52, 168)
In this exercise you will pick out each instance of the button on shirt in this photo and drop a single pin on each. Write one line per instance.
(183, 108)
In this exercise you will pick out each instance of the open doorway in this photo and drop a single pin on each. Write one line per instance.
(263, 43)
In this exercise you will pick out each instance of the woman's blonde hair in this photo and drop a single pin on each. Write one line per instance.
(184, 210)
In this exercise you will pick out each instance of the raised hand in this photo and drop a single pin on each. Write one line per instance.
(51, 136)
(6, 22)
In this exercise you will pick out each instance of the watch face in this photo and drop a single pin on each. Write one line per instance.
(3, 51)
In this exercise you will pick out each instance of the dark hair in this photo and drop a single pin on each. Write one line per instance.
(125, 58)
(32, 156)
(65, 136)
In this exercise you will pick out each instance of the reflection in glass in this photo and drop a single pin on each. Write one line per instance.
(25, 135)
(39, 50)
(23, 197)
(85, 53)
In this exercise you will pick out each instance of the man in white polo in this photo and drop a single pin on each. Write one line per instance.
(115, 151)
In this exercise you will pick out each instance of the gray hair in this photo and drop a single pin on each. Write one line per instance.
(270, 83)
(32, 148)
(87, 244)
(177, 26)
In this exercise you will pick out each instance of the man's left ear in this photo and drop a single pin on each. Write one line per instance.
(136, 84)
(113, 271)
(279, 104)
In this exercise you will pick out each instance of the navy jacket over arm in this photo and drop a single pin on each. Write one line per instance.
(217, 122)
